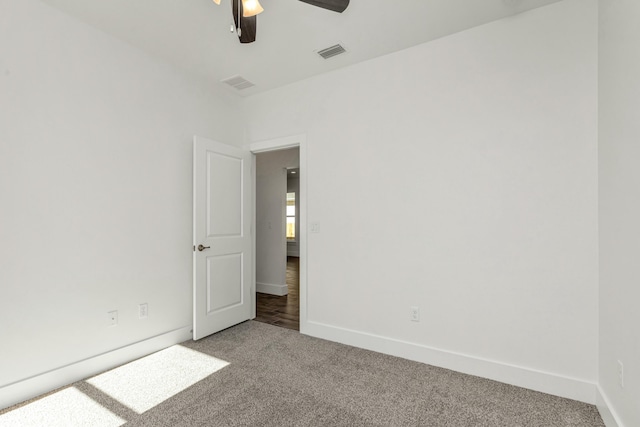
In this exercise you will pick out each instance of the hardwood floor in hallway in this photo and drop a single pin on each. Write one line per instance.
(282, 311)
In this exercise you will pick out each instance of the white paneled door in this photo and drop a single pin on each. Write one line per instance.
(222, 263)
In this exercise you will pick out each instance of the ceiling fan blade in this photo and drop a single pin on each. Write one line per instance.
(335, 5)
(247, 25)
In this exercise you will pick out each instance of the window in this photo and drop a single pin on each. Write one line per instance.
(291, 217)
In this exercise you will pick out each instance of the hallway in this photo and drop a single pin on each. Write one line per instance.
(283, 311)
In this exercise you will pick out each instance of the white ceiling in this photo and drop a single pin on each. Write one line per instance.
(195, 34)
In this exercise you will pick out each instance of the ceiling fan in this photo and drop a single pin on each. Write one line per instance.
(245, 14)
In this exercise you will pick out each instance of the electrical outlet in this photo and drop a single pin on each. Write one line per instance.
(143, 311)
(112, 318)
(415, 314)
(620, 374)
(315, 227)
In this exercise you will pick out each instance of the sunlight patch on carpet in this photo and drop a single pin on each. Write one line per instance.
(66, 408)
(144, 383)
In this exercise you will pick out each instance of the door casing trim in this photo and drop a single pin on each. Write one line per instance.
(277, 144)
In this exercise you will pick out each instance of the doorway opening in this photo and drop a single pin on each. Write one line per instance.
(278, 237)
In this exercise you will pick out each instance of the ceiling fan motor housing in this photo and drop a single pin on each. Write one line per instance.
(247, 26)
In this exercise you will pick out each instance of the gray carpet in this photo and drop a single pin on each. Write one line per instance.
(278, 377)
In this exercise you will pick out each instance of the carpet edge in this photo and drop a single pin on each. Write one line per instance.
(608, 414)
(545, 382)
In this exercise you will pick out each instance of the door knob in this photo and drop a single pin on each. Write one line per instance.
(202, 248)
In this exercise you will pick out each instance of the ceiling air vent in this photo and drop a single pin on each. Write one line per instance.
(238, 82)
(331, 51)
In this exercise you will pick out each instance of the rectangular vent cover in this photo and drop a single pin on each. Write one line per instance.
(238, 82)
(331, 51)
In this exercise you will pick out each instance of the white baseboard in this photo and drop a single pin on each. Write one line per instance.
(268, 288)
(558, 385)
(606, 411)
(45, 382)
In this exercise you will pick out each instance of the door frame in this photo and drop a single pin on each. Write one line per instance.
(277, 144)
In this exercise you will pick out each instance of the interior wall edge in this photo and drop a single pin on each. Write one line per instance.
(545, 382)
(32, 387)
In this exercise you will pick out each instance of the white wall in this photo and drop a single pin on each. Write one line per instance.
(472, 163)
(95, 190)
(620, 207)
(271, 189)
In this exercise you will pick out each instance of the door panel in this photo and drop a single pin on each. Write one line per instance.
(224, 282)
(226, 170)
(222, 268)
